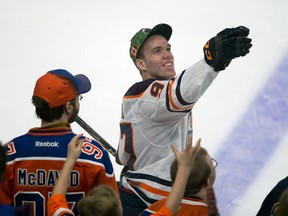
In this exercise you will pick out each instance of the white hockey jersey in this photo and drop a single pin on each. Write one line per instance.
(157, 114)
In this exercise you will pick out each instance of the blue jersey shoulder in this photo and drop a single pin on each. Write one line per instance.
(95, 152)
(139, 87)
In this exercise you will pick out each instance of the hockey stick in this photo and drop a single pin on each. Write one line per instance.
(95, 135)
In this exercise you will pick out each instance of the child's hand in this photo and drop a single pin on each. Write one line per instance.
(74, 147)
(186, 157)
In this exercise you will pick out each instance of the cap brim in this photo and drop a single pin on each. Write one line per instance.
(80, 81)
(84, 84)
(161, 29)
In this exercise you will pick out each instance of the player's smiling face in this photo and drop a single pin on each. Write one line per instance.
(157, 61)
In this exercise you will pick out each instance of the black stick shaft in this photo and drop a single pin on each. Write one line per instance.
(95, 135)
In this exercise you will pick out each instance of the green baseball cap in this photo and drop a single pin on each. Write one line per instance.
(139, 38)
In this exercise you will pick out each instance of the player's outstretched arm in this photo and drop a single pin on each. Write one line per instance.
(73, 153)
(185, 161)
(226, 45)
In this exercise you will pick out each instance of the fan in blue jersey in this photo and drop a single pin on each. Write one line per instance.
(35, 159)
(157, 112)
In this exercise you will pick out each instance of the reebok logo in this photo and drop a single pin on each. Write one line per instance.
(46, 144)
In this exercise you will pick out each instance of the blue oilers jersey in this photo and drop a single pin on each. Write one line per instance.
(35, 161)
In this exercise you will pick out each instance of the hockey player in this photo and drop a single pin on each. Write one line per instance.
(157, 112)
(35, 159)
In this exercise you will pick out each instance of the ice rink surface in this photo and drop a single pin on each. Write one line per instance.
(242, 118)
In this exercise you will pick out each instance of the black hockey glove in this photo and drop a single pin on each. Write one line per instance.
(225, 46)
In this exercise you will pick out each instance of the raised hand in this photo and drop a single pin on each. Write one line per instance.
(74, 147)
(186, 157)
(227, 45)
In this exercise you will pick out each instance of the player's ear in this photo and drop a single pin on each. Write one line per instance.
(141, 65)
(69, 106)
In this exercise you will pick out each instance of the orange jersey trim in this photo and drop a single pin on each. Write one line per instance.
(164, 211)
(149, 188)
(57, 205)
(175, 107)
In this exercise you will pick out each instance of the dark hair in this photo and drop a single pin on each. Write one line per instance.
(46, 114)
(140, 54)
(199, 175)
(43, 111)
(3, 159)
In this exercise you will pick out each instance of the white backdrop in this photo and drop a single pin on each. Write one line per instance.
(93, 37)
